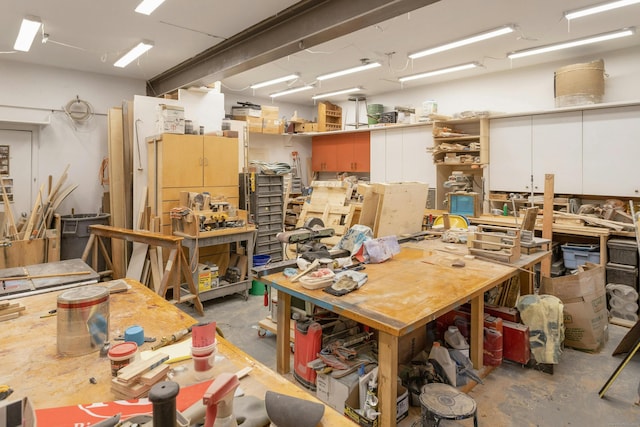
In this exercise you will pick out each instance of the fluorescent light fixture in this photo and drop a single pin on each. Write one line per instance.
(468, 40)
(440, 71)
(364, 67)
(134, 53)
(146, 7)
(597, 8)
(573, 43)
(275, 81)
(290, 91)
(336, 93)
(28, 30)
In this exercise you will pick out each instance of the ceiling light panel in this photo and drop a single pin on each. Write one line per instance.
(146, 7)
(336, 93)
(598, 8)
(625, 32)
(496, 32)
(133, 54)
(275, 81)
(28, 30)
(357, 69)
(290, 91)
(440, 71)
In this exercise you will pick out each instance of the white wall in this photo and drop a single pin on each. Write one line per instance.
(38, 94)
(518, 90)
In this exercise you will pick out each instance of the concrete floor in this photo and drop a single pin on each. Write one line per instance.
(510, 396)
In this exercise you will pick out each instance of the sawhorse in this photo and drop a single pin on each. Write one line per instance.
(176, 262)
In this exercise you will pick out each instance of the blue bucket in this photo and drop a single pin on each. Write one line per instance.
(259, 260)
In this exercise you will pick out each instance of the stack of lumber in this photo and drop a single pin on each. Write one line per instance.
(330, 202)
(41, 216)
(136, 379)
(9, 310)
(498, 243)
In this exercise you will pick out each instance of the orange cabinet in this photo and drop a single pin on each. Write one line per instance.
(343, 152)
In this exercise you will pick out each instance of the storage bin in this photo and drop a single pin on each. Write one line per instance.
(576, 255)
(623, 251)
(622, 274)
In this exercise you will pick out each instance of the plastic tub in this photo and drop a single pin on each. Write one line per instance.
(259, 260)
(122, 355)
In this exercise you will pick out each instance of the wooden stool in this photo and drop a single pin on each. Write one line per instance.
(444, 402)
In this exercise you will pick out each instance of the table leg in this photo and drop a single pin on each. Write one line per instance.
(477, 330)
(283, 334)
(387, 378)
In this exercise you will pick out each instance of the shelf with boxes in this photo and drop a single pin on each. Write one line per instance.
(259, 118)
(622, 279)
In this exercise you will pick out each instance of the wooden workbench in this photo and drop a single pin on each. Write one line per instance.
(401, 295)
(32, 367)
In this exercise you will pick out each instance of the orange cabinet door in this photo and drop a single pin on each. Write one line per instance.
(323, 153)
(361, 152)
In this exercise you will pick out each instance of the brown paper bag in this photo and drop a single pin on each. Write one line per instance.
(585, 306)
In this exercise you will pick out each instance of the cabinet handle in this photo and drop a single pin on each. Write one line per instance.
(206, 161)
(200, 161)
(636, 191)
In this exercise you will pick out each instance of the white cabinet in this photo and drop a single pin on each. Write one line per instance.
(557, 149)
(400, 155)
(510, 154)
(611, 149)
(526, 146)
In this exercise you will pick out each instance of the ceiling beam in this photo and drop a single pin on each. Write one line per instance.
(301, 26)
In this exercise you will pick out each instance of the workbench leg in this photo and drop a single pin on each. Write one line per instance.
(477, 331)
(387, 378)
(283, 334)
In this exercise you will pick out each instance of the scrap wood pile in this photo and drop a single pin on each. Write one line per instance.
(34, 225)
(611, 215)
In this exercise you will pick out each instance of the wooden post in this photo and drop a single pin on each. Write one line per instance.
(547, 221)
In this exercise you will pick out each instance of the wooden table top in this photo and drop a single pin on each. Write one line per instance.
(32, 367)
(407, 291)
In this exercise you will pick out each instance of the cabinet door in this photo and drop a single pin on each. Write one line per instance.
(510, 154)
(323, 153)
(220, 161)
(180, 162)
(417, 164)
(345, 152)
(611, 151)
(361, 159)
(378, 166)
(557, 150)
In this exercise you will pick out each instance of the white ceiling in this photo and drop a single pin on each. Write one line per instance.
(91, 35)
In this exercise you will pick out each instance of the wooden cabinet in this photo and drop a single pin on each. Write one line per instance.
(611, 151)
(341, 152)
(400, 155)
(190, 163)
(524, 149)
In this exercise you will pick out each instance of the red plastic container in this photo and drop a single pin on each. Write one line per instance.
(493, 344)
(308, 342)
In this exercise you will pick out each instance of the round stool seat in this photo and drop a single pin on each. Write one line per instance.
(444, 402)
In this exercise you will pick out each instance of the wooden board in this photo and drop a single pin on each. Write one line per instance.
(399, 208)
(330, 193)
(117, 188)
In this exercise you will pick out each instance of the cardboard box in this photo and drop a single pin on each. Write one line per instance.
(353, 403)
(335, 391)
(585, 306)
(272, 126)
(170, 119)
(246, 111)
(207, 277)
(270, 112)
(253, 123)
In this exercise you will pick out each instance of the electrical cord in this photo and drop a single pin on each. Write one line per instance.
(76, 115)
